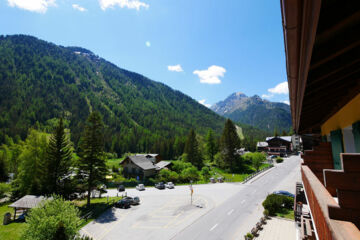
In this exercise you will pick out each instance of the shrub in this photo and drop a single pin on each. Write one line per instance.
(249, 236)
(53, 219)
(266, 213)
(4, 188)
(178, 166)
(189, 174)
(279, 160)
(205, 172)
(273, 203)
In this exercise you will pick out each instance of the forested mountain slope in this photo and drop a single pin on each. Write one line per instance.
(255, 111)
(41, 81)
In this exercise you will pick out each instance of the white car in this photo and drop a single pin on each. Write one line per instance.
(140, 187)
(169, 185)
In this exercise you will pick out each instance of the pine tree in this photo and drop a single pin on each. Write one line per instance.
(92, 167)
(230, 142)
(192, 150)
(211, 148)
(276, 132)
(59, 159)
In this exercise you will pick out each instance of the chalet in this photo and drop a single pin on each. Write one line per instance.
(323, 62)
(142, 166)
(262, 146)
(279, 145)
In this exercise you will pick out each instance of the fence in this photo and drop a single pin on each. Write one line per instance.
(256, 173)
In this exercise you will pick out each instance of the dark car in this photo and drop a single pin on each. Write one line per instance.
(121, 188)
(284, 193)
(123, 203)
(133, 200)
(160, 185)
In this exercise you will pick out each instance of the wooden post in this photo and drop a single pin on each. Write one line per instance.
(14, 213)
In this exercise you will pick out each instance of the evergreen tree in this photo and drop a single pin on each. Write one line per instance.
(284, 133)
(276, 133)
(210, 146)
(192, 150)
(230, 142)
(59, 159)
(92, 167)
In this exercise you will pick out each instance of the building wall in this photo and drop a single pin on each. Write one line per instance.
(345, 117)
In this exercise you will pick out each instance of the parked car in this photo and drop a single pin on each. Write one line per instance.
(212, 180)
(169, 185)
(160, 185)
(220, 179)
(133, 200)
(284, 193)
(121, 188)
(123, 203)
(273, 156)
(140, 187)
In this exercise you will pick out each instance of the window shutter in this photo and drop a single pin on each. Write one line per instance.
(356, 133)
(337, 147)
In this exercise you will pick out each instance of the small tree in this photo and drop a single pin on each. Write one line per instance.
(257, 159)
(53, 219)
(92, 167)
(205, 172)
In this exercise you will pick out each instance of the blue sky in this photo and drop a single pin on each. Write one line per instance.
(207, 49)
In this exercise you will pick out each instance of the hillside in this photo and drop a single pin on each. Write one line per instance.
(255, 111)
(41, 81)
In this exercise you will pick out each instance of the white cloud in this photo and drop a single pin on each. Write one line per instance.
(175, 68)
(281, 88)
(211, 75)
(131, 4)
(267, 95)
(286, 102)
(203, 103)
(147, 43)
(79, 8)
(39, 6)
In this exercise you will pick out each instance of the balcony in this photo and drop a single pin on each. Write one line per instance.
(333, 195)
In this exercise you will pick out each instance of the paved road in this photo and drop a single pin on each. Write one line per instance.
(229, 210)
(236, 216)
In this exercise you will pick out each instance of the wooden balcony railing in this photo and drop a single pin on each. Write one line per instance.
(335, 225)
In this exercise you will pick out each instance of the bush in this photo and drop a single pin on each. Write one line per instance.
(273, 203)
(205, 172)
(279, 160)
(178, 166)
(4, 188)
(189, 174)
(53, 219)
(249, 236)
(266, 213)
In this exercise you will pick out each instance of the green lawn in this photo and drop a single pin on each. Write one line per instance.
(286, 213)
(114, 162)
(235, 177)
(11, 231)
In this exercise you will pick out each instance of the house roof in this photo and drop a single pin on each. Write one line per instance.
(28, 201)
(148, 155)
(143, 162)
(262, 144)
(285, 138)
(162, 164)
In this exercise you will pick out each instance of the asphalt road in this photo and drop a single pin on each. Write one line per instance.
(228, 210)
(237, 215)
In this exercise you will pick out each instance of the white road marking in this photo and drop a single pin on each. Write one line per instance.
(242, 201)
(254, 192)
(230, 212)
(213, 227)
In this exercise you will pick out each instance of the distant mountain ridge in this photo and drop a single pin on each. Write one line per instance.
(255, 111)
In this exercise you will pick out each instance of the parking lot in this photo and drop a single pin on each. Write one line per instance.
(161, 213)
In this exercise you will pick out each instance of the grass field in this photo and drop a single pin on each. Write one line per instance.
(13, 230)
(113, 162)
(286, 213)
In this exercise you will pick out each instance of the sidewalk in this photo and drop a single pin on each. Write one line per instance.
(278, 229)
